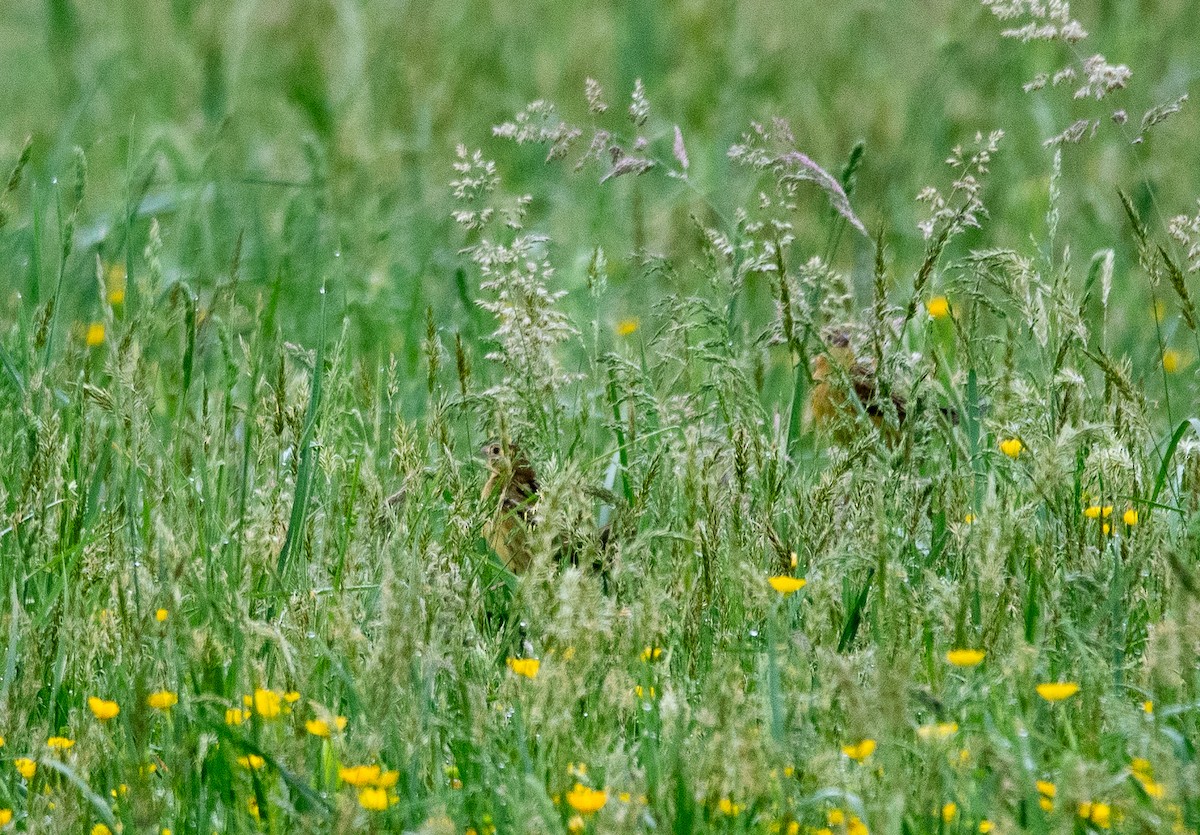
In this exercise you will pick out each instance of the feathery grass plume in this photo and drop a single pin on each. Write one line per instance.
(617, 155)
(952, 213)
(517, 275)
(1093, 76)
(961, 209)
(773, 149)
(1158, 115)
(1186, 232)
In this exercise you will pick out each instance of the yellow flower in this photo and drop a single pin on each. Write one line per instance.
(267, 703)
(965, 657)
(787, 585)
(1153, 789)
(1011, 447)
(1, 741)
(985, 826)
(1046, 803)
(856, 827)
(1046, 788)
(101, 829)
(6, 816)
(527, 667)
(1085, 810)
(102, 709)
(60, 743)
(252, 807)
(1171, 361)
(835, 817)
(859, 751)
(727, 807)
(1057, 691)
(1130, 517)
(1140, 767)
(938, 307)
(235, 716)
(291, 697)
(629, 326)
(651, 653)
(1096, 511)
(253, 761)
(25, 767)
(585, 800)
(940, 730)
(161, 615)
(360, 775)
(386, 779)
(969, 518)
(1101, 815)
(95, 334)
(162, 700)
(373, 799)
(319, 727)
(641, 692)
(949, 812)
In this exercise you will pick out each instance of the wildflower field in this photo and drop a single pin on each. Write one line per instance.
(854, 348)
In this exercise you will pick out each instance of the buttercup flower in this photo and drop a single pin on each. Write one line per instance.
(102, 709)
(938, 307)
(1057, 691)
(1011, 447)
(162, 700)
(320, 727)
(360, 775)
(527, 667)
(787, 585)
(373, 799)
(627, 327)
(860, 750)
(267, 703)
(965, 657)
(585, 800)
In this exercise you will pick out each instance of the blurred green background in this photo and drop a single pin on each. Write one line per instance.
(322, 133)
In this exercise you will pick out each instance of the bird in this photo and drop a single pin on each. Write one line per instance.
(510, 494)
(846, 388)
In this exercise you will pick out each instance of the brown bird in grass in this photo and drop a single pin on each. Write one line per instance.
(846, 388)
(509, 493)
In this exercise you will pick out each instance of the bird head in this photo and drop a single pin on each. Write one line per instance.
(501, 456)
(837, 350)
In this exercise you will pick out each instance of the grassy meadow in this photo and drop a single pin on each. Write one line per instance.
(272, 273)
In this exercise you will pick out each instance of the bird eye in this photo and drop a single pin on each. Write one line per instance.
(495, 450)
